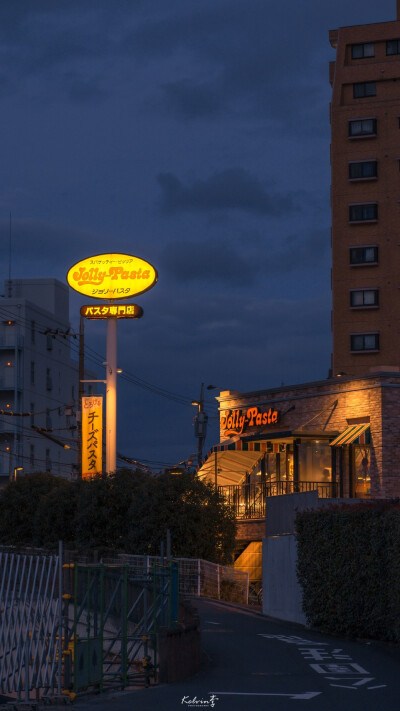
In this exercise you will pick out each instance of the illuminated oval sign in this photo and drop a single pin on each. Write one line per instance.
(112, 276)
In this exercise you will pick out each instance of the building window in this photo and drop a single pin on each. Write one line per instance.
(48, 420)
(32, 332)
(363, 255)
(360, 298)
(32, 455)
(362, 127)
(32, 372)
(363, 170)
(363, 89)
(360, 342)
(48, 461)
(32, 413)
(359, 51)
(393, 47)
(49, 342)
(49, 383)
(363, 212)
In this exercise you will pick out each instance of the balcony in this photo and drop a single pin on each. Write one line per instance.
(248, 500)
(11, 340)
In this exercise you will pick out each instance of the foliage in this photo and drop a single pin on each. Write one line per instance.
(127, 511)
(349, 568)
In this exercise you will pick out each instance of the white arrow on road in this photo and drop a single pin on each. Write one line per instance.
(304, 695)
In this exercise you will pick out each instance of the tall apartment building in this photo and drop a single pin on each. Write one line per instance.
(37, 376)
(365, 197)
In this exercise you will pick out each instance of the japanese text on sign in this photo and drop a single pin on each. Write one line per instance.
(92, 435)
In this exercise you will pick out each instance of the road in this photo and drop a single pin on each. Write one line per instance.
(254, 662)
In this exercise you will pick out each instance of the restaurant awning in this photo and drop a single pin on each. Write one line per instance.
(232, 466)
(351, 434)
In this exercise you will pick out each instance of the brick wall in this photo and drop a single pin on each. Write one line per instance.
(328, 407)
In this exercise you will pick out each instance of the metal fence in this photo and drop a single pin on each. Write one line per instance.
(248, 500)
(199, 577)
(68, 627)
(31, 625)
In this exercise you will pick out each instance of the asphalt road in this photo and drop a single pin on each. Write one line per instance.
(253, 662)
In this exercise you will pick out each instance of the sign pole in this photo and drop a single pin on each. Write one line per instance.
(111, 396)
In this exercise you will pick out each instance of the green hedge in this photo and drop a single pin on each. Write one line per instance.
(349, 569)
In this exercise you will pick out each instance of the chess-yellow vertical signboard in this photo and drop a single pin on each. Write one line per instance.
(92, 435)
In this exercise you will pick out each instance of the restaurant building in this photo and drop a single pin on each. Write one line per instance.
(339, 436)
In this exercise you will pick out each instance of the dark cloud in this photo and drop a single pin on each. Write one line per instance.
(208, 261)
(193, 100)
(230, 189)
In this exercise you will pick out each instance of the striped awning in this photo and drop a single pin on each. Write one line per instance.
(232, 467)
(354, 434)
(241, 446)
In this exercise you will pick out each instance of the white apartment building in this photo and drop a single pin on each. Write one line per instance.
(37, 376)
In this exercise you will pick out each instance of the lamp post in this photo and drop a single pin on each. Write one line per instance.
(200, 424)
(17, 469)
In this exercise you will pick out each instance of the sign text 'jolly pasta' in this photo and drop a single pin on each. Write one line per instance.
(112, 276)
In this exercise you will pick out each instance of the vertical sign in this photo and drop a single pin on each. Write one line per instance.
(92, 435)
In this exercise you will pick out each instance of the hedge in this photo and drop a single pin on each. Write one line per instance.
(349, 569)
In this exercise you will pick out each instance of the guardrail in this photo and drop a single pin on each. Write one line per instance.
(248, 500)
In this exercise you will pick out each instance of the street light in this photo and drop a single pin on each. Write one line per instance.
(17, 469)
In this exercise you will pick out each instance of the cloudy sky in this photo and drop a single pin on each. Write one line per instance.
(194, 134)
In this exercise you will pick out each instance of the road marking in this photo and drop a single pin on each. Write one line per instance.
(305, 695)
(208, 622)
(381, 686)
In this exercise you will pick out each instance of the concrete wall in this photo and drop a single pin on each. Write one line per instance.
(282, 594)
(179, 649)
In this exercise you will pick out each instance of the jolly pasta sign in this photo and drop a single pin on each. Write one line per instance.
(112, 276)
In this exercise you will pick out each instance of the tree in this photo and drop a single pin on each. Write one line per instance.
(128, 511)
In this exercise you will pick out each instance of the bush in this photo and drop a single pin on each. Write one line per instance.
(349, 568)
(126, 512)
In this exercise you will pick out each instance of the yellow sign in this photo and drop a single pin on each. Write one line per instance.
(112, 311)
(112, 276)
(92, 435)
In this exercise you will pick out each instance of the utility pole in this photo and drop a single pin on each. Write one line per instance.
(200, 425)
(81, 390)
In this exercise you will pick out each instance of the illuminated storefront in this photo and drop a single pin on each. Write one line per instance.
(337, 436)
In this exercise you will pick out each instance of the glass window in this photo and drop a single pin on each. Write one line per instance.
(359, 51)
(364, 297)
(363, 169)
(366, 211)
(363, 89)
(315, 463)
(363, 255)
(393, 47)
(362, 127)
(361, 469)
(364, 342)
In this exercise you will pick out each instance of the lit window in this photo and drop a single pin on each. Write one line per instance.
(363, 170)
(393, 47)
(363, 89)
(363, 212)
(360, 342)
(364, 255)
(360, 298)
(362, 127)
(359, 51)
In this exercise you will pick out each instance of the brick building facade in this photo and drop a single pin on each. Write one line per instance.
(339, 436)
(365, 196)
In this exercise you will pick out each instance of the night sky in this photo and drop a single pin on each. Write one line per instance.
(193, 134)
